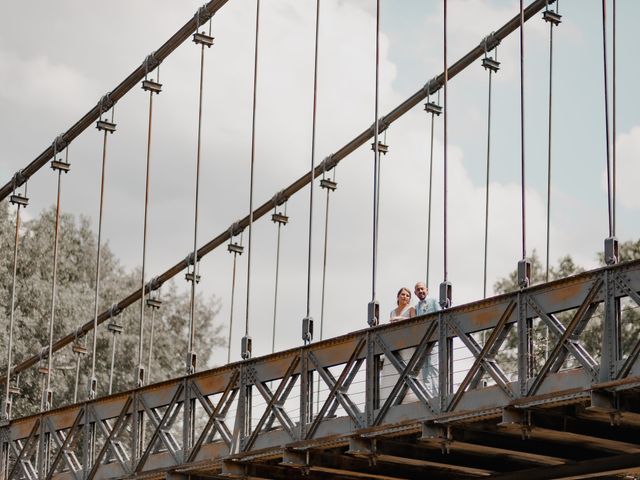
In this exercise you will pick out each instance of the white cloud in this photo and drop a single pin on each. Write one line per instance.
(628, 166)
(37, 83)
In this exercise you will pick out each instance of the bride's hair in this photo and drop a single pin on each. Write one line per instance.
(403, 289)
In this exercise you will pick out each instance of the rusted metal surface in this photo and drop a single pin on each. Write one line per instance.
(272, 385)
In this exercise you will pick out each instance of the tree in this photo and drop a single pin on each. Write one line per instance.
(591, 337)
(75, 306)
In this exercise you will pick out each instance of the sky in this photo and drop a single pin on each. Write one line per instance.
(75, 52)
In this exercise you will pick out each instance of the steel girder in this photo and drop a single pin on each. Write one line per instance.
(243, 416)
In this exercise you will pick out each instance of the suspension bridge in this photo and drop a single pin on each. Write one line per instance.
(467, 391)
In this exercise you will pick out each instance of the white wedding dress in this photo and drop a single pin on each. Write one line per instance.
(388, 374)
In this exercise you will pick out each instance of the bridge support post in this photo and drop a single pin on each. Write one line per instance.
(372, 390)
(4, 449)
(445, 361)
(525, 347)
(242, 423)
(89, 434)
(610, 330)
(188, 420)
(137, 438)
(306, 384)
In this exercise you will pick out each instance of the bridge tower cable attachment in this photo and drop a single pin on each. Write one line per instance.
(307, 321)
(153, 87)
(246, 343)
(203, 40)
(524, 265)
(60, 167)
(553, 18)
(236, 249)
(445, 287)
(20, 200)
(107, 128)
(491, 65)
(280, 218)
(373, 309)
(434, 109)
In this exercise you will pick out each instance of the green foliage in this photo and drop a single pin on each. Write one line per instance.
(75, 306)
(591, 337)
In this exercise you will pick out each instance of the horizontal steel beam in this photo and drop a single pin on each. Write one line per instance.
(429, 88)
(116, 94)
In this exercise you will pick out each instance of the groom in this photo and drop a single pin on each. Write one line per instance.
(424, 306)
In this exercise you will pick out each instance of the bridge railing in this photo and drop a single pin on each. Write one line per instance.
(517, 349)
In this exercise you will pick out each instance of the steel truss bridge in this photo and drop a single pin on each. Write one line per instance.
(260, 418)
(471, 391)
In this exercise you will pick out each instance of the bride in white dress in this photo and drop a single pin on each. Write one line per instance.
(388, 374)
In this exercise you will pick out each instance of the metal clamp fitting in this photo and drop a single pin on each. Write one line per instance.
(18, 179)
(490, 42)
(150, 63)
(59, 143)
(202, 16)
(114, 311)
(382, 125)
(154, 284)
(431, 87)
(235, 229)
(105, 103)
(279, 198)
(328, 163)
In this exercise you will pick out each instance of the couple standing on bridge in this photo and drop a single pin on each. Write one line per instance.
(404, 310)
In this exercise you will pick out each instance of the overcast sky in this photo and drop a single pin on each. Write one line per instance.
(58, 58)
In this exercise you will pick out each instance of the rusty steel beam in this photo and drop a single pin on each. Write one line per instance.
(330, 162)
(116, 94)
(554, 433)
